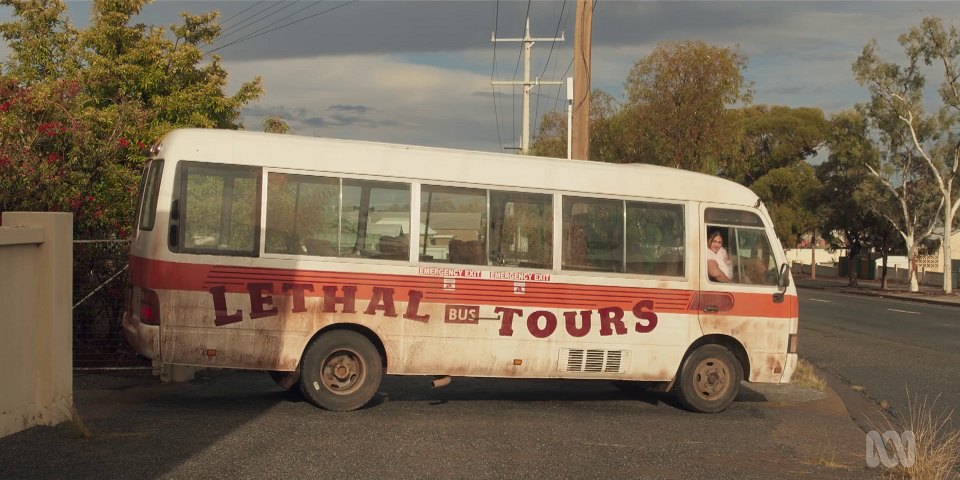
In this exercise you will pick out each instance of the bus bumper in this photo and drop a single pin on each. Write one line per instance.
(145, 339)
(789, 368)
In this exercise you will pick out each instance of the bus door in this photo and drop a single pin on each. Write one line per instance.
(739, 295)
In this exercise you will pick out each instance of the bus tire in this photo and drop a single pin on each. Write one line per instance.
(340, 371)
(709, 379)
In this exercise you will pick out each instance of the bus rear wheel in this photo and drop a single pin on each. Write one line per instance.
(709, 379)
(340, 371)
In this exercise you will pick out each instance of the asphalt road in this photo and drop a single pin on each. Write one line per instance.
(899, 352)
(229, 424)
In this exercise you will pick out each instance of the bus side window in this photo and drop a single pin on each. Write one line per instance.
(755, 262)
(746, 243)
(375, 220)
(302, 214)
(655, 239)
(149, 194)
(219, 209)
(521, 229)
(592, 234)
(453, 224)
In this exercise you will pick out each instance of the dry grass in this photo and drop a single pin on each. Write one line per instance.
(938, 446)
(804, 376)
(830, 462)
(70, 414)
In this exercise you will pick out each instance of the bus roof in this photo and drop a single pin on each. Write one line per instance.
(406, 162)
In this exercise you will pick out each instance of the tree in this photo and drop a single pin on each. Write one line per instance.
(903, 192)
(776, 145)
(275, 124)
(787, 193)
(848, 218)
(78, 108)
(679, 95)
(897, 91)
(551, 139)
(777, 136)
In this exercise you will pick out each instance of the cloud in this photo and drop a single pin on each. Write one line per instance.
(419, 71)
(373, 97)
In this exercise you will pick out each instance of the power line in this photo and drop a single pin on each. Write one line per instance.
(520, 54)
(513, 90)
(255, 18)
(311, 5)
(536, 110)
(565, 72)
(493, 72)
(241, 12)
(251, 36)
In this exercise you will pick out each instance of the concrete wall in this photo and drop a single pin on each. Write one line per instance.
(823, 271)
(804, 255)
(36, 349)
(894, 274)
(900, 274)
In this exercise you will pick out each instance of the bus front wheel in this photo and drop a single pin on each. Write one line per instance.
(709, 379)
(340, 371)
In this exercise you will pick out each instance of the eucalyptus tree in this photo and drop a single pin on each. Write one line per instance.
(899, 186)
(897, 93)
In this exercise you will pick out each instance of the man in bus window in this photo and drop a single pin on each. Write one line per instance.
(719, 266)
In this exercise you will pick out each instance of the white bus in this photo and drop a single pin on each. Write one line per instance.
(330, 263)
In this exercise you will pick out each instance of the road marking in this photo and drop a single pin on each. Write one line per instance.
(903, 311)
(818, 300)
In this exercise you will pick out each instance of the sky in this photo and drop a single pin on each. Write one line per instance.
(419, 72)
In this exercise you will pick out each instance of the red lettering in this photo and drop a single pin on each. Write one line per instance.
(258, 300)
(220, 307)
(611, 317)
(382, 300)
(533, 323)
(644, 311)
(506, 323)
(571, 321)
(414, 305)
(330, 299)
(297, 289)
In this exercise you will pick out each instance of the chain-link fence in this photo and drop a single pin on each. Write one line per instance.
(99, 274)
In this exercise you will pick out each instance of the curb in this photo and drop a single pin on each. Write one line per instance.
(863, 412)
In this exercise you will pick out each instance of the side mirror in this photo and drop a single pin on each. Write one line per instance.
(784, 279)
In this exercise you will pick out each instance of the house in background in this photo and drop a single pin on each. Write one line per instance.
(933, 262)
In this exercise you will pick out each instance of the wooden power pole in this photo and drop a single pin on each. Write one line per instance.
(581, 80)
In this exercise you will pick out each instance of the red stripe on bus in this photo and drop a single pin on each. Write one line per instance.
(165, 275)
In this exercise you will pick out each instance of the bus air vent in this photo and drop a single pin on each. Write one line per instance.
(593, 361)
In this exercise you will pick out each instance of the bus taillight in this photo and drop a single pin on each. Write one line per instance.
(149, 307)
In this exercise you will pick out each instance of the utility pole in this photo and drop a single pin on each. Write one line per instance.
(527, 83)
(581, 79)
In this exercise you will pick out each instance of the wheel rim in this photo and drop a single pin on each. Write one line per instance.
(343, 372)
(711, 379)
